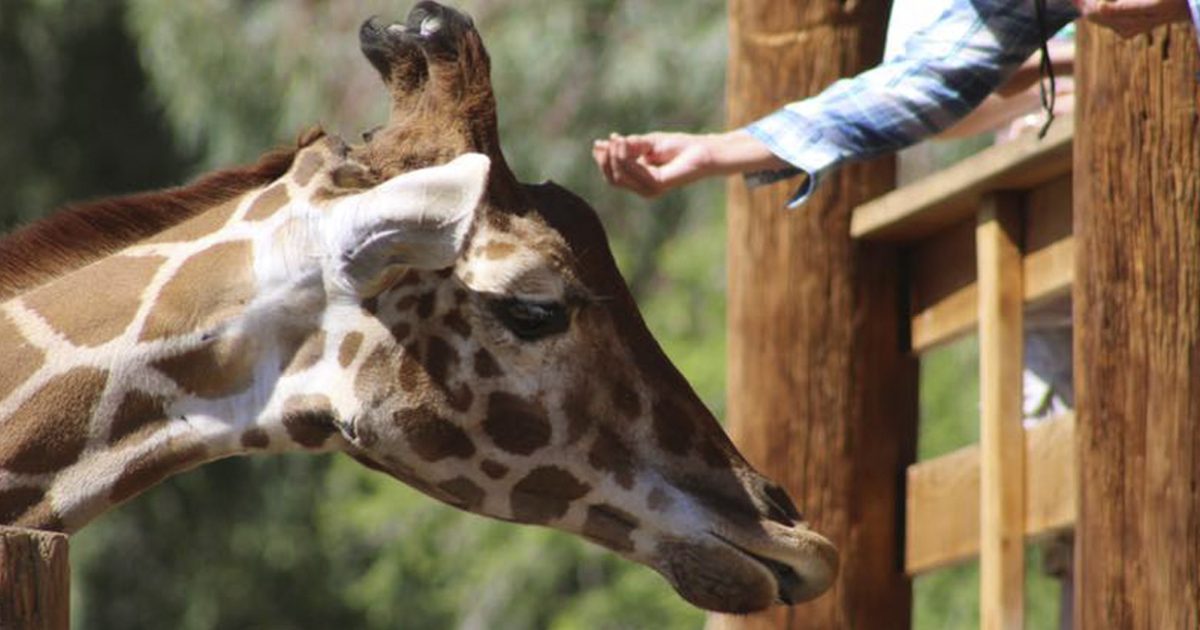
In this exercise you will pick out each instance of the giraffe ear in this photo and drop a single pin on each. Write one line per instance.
(418, 220)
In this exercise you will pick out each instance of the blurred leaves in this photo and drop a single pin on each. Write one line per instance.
(78, 117)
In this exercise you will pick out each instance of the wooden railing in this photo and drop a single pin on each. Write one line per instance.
(987, 241)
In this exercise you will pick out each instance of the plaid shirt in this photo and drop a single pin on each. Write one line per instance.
(945, 71)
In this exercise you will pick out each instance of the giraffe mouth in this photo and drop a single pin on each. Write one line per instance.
(791, 587)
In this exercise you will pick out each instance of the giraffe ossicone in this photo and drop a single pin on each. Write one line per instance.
(407, 302)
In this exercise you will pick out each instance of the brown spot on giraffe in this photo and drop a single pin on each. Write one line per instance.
(545, 494)
(432, 437)
(219, 368)
(671, 427)
(154, 466)
(268, 203)
(309, 420)
(374, 379)
(255, 438)
(516, 425)
(467, 494)
(348, 349)
(109, 312)
(138, 416)
(610, 527)
(498, 250)
(410, 277)
(411, 372)
(306, 355)
(460, 398)
(49, 430)
(610, 454)
(198, 226)
(626, 400)
(15, 501)
(440, 357)
(400, 331)
(210, 287)
(23, 357)
(310, 162)
(455, 321)
(426, 304)
(493, 468)
(485, 365)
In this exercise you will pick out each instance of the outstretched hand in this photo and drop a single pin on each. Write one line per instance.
(653, 163)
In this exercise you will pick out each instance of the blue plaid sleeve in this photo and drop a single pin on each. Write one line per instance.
(945, 71)
(1194, 6)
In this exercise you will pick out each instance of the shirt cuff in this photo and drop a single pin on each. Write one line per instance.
(789, 135)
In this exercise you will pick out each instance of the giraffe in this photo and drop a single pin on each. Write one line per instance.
(406, 302)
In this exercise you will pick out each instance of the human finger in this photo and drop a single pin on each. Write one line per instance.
(600, 151)
(638, 178)
(614, 149)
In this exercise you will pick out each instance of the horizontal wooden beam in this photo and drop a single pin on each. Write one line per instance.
(944, 298)
(942, 517)
(952, 194)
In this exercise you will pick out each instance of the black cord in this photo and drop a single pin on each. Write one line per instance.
(1046, 68)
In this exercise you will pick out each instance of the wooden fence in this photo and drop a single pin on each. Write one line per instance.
(988, 240)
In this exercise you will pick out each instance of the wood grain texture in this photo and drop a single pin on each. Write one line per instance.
(942, 524)
(998, 237)
(822, 394)
(35, 583)
(1137, 323)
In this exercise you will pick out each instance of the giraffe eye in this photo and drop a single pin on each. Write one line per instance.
(531, 321)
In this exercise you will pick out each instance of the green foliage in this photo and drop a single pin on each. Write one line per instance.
(72, 97)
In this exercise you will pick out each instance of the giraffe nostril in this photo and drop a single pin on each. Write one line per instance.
(779, 505)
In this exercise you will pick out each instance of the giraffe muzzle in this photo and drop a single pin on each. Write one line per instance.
(806, 577)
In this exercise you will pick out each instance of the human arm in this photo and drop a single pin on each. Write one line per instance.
(945, 70)
(653, 163)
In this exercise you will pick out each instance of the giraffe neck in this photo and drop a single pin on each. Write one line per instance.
(176, 351)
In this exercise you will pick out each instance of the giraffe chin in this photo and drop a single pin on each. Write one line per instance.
(719, 575)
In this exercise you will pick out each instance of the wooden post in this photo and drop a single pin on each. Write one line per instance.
(1137, 329)
(1002, 438)
(34, 580)
(822, 390)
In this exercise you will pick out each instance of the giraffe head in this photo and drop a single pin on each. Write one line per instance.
(497, 361)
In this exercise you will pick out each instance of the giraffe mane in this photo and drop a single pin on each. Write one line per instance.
(79, 234)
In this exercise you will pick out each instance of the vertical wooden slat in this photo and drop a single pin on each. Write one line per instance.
(1002, 449)
(35, 580)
